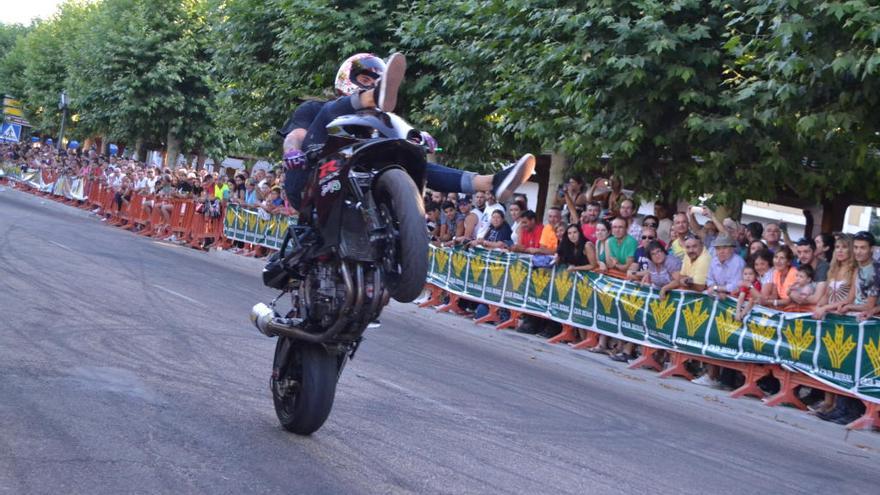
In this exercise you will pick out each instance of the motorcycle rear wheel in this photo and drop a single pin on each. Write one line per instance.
(303, 385)
(396, 191)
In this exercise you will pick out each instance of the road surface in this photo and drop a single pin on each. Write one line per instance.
(130, 366)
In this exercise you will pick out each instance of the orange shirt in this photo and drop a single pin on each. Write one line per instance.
(548, 237)
(781, 285)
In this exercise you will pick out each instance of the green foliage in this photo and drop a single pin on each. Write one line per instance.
(740, 98)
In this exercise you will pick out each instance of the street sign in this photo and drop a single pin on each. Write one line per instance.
(10, 133)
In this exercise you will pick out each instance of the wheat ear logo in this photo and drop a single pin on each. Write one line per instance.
(606, 297)
(252, 222)
(838, 349)
(496, 272)
(540, 280)
(517, 275)
(726, 325)
(662, 309)
(799, 340)
(477, 266)
(694, 316)
(459, 261)
(442, 258)
(585, 292)
(761, 333)
(562, 284)
(873, 350)
(632, 303)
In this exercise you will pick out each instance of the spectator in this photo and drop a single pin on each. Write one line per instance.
(437, 197)
(572, 198)
(865, 288)
(762, 262)
(628, 212)
(709, 231)
(470, 221)
(515, 210)
(664, 223)
(773, 236)
(825, 246)
(679, 235)
(597, 251)
(663, 271)
(621, 247)
(755, 246)
(639, 268)
(529, 234)
(808, 255)
(725, 269)
(449, 229)
(695, 267)
(747, 293)
(498, 236)
(754, 231)
(479, 209)
(803, 289)
(839, 290)
(549, 239)
(783, 278)
(432, 221)
(608, 193)
(572, 250)
(589, 219)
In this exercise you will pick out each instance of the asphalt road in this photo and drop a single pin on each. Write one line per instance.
(130, 366)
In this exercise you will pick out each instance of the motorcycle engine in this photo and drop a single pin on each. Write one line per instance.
(326, 293)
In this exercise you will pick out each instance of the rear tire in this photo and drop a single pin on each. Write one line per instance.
(303, 385)
(396, 190)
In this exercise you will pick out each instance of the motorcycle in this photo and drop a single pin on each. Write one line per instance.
(363, 241)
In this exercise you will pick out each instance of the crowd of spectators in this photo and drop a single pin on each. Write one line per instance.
(597, 229)
(157, 186)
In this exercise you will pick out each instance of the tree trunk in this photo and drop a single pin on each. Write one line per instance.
(172, 150)
(139, 152)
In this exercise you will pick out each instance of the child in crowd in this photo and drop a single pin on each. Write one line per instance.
(802, 291)
(749, 290)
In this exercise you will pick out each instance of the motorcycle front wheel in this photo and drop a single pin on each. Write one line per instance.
(400, 202)
(303, 385)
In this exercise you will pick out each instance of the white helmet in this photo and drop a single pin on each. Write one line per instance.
(362, 63)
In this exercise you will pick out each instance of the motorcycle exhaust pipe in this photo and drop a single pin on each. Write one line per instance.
(270, 325)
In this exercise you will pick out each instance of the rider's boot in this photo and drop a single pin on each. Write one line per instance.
(385, 93)
(504, 183)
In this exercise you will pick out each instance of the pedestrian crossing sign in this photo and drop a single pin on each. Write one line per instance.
(10, 133)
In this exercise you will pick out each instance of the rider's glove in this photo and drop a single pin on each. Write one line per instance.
(294, 160)
(429, 142)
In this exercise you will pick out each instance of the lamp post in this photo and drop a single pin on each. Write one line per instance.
(62, 105)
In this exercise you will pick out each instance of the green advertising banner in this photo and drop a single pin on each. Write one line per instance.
(255, 226)
(839, 350)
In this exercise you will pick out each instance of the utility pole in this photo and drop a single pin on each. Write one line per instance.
(63, 106)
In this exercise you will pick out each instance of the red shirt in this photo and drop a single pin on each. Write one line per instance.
(531, 238)
(747, 291)
(589, 232)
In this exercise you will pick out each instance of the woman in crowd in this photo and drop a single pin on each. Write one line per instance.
(251, 198)
(572, 250)
(839, 289)
(596, 252)
(499, 234)
(663, 269)
(825, 246)
(782, 279)
(515, 209)
(755, 246)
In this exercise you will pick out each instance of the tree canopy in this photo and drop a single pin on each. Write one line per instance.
(739, 98)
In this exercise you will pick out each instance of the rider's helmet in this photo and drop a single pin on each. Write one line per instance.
(361, 63)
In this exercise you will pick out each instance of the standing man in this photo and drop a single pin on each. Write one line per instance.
(866, 290)
(589, 219)
(679, 235)
(529, 234)
(806, 255)
(725, 270)
(548, 235)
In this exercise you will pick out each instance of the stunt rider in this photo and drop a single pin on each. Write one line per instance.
(364, 81)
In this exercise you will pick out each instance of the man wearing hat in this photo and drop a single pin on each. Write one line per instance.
(725, 270)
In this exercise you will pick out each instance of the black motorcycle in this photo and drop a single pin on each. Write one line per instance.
(362, 240)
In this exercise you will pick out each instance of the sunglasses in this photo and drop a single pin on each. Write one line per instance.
(648, 238)
(650, 225)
